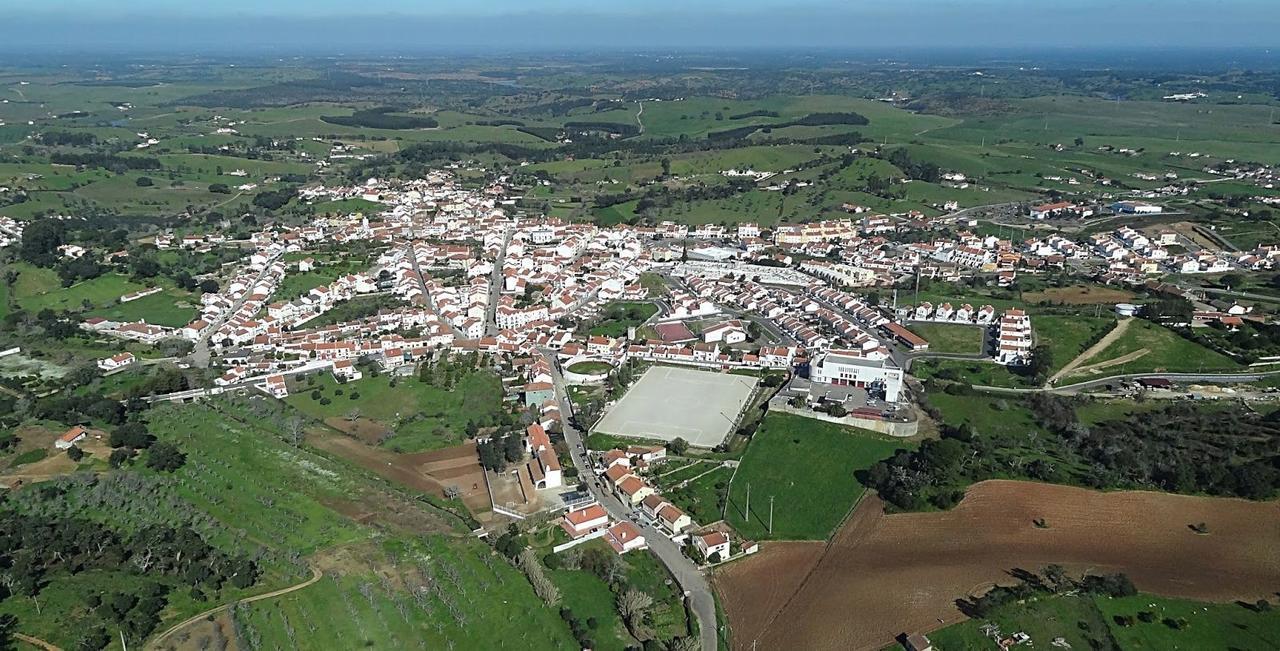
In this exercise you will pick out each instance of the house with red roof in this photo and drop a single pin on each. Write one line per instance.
(584, 520)
(625, 537)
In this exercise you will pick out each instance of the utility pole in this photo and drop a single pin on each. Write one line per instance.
(917, 299)
(770, 515)
(748, 501)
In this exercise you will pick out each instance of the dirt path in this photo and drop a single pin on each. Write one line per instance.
(1102, 344)
(316, 575)
(1123, 359)
(35, 641)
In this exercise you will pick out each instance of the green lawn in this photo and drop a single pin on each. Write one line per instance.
(236, 469)
(173, 308)
(590, 368)
(807, 466)
(1077, 620)
(1066, 336)
(950, 337)
(983, 373)
(422, 416)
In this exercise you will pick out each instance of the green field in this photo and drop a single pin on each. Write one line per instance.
(807, 467)
(1068, 335)
(950, 338)
(37, 289)
(590, 368)
(703, 498)
(360, 607)
(1077, 619)
(422, 416)
(1154, 348)
(616, 318)
(172, 308)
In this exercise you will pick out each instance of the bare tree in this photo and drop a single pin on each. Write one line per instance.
(295, 431)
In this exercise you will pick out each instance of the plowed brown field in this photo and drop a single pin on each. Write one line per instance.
(882, 575)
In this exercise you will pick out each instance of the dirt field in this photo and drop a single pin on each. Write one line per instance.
(1079, 295)
(883, 575)
(369, 431)
(429, 472)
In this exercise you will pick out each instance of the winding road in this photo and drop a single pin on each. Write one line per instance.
(688, 575)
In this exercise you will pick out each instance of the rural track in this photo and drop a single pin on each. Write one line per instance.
(1083, 357)
(316, 575)
(36, 642)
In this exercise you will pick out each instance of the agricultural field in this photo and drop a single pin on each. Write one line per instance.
(896, 587)
(807, 468)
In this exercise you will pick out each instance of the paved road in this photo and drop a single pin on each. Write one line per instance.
(199, 356)
(690, 578)
(495, 285)
(429, 302)
(1223, 378)
(1233, 294)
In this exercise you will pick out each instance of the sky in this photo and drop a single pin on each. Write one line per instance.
(337, 26)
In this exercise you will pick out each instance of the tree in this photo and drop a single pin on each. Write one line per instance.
(8, 626)
(75, 454)
(678, 446)
(119, 456)
(1231, 280)
(512, 448)
(131, 435)
(165, 457)
(295, 431)
(40, 241)
(144, 182)
(633, 605)
(1041, 362)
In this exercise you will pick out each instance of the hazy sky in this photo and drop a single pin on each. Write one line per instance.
(427, 24)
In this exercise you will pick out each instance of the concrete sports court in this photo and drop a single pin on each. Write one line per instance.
(699, 406)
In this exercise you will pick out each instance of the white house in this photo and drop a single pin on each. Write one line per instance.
(116, 362)
(71, 437)
(584, 520)
(625, 537)
(711, 544)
